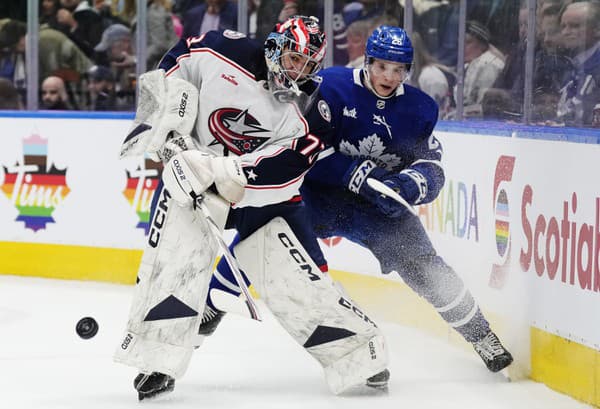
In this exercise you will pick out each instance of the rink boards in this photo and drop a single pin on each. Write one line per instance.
(518, 218)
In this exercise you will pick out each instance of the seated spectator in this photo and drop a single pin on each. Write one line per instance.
(211, 15)
(357, 34)
(160, 33)
(437, 23)
(497, 104)
(115, 51)
(56, 51)
(54, 94)
(12, 53)
(9, 96)
(433, 78)
(101, 85)
(370, 9)
(581, 36)
(483, 64)
(82, 23)
(550, 66)
(48, 10)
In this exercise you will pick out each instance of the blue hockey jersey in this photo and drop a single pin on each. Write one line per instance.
(396, 133)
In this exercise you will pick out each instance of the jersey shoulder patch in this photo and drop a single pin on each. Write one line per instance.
(233, 35)
(324, 110)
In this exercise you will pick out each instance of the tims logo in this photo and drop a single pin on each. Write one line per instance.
(34, 188)
(141, 184)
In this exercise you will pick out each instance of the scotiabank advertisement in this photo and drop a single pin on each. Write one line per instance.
(519, 220)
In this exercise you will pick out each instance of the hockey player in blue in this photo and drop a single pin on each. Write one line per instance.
(384, 131)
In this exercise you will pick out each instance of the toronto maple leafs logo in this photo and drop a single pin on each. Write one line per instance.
(373, 148)
(237, 130)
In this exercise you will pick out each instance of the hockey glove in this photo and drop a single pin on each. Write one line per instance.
(401, 183)
(187, 175)
(229, 178)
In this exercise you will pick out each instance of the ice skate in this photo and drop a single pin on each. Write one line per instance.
(493, 354)
(380, 380)
(150, 386)
(210, 321)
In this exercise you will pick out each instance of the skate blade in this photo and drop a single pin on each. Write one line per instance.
(155, 394)
(505, 374)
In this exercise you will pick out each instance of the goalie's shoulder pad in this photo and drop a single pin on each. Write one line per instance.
(165, 105)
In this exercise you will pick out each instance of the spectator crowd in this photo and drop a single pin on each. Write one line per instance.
(87, 59)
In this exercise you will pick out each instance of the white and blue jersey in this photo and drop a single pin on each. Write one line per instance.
(238, 115)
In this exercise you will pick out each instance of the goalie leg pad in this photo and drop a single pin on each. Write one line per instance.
(171, 291)
(311, 306)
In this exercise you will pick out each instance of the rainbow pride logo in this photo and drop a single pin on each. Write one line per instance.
(141, 184)
(33, 188)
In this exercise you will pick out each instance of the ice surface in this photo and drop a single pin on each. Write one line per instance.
(245, 364)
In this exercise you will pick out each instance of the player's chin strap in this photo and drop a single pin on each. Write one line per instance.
(369, 85)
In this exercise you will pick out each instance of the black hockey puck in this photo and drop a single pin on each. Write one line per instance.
(87, 327)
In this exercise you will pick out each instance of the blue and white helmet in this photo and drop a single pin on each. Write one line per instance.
(389, 43)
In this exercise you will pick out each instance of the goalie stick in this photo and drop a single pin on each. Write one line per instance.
(231, 260)
(391, 193)
(173, 146)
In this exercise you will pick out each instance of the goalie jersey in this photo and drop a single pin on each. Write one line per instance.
(395, 133)
(238, 115)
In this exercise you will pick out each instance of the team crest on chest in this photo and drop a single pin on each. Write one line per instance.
(237, 130)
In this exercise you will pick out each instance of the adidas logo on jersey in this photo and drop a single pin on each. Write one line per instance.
(350, 113)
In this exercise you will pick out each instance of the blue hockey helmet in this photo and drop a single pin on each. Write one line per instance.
(389, 43)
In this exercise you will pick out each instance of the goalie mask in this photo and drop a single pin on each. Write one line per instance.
(294, 52)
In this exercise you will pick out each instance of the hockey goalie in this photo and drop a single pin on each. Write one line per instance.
(237, 125)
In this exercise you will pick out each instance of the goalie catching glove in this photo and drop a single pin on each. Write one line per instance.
(409, 184)
(188, 174)
(166, 106)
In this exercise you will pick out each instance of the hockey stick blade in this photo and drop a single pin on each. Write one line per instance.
(233, 264)
(389, 192)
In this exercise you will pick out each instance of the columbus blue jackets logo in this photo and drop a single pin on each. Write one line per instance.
(237, 130)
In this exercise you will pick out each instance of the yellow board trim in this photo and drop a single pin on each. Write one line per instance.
(563, 365)
(566, 366)
(69, 262)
